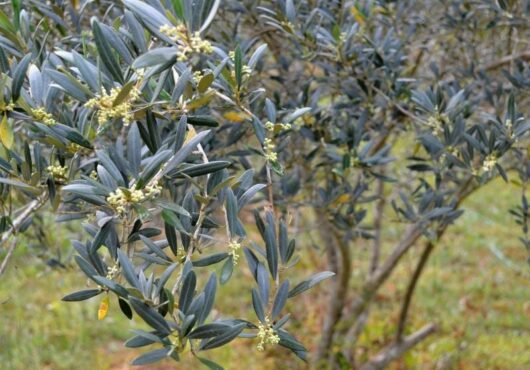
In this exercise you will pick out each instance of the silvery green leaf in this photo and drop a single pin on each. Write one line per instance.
(222, 339)
(82, 295)
(310, 282)
(187, 291)
(152, 356)
(150, 316)
(19, 75)
(156, 57)
(281, 298)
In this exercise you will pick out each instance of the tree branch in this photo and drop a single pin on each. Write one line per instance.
(8, 256)
(355, 320)
(507, 60)
(350, 340)
(410, 289)
(19, 220)
(378, 223)
(397, 349)
(339, 291)
(381, 273)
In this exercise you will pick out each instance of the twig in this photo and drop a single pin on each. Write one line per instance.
(378, 223)
(19, 220)
(353, 335)
(507, 60)
(8, 256)
(398, 106)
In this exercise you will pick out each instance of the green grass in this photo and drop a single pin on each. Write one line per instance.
(480, 305)
(40, 331)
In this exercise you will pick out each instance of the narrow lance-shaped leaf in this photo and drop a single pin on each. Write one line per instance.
(231, 211)
(220, 340)
(19, 75)
(281, 298)
(188, 289)
(150, 357)
(205, 168)
(227, 270)
(258, 305)
(165, 276)
(262, 279)
(209, 331)
(271, 245)
(211, 259)
(312, 281)
(6, 133)
(238, 66)
(101, 235)
(211, 15)
(128, 269)
(183, 153)
(105, 52)
(150, 316)
(156, 57)
(82, 295)
(209, 297)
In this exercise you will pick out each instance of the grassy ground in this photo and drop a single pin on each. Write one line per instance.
(481, 305)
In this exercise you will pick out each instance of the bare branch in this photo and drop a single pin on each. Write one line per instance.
(339, 291)
(410, 289)
(507, 60)
(397, 349)
(350, 341)
(378, 223)
(8, 256)
(19, 220)
(381, 274)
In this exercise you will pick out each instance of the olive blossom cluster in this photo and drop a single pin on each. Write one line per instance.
(266, 335)
(108, 110)
(123, 198)
(41, 115)
(189, 43)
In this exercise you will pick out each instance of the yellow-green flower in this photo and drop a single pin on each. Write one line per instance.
(270, 154)
(121, 199)
(489, 162)
(108, 111)
(6, 107)
(233, 250)
(266, 335)
(58, 172)
(188, 44)
(41, 115)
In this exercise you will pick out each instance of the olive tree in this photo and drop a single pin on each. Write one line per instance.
(162, 124)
